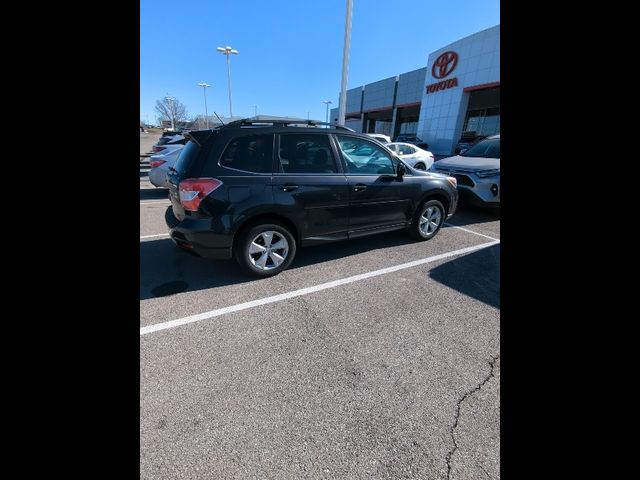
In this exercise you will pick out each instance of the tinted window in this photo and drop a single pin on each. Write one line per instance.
(489, 148)
(251, 153)
(187, 155)
(406, 150)
(300, 153)
(362, 156)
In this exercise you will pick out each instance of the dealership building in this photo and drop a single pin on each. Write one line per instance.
(457, 93)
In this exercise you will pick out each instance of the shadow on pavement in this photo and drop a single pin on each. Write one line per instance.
(468, 214)
(476, 275)
(162, 263)
(154, 193)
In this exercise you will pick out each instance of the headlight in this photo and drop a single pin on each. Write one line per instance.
(488, 173)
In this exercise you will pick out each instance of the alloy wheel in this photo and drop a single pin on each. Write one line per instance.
(430, 220)
(268, 250)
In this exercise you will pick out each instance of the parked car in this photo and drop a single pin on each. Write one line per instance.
(169, 147)
(477, 171)
(160, 165)
(413, 140)
(257, 192)
(169, 140)
(413, 156)
(467, 141)
(380, 137)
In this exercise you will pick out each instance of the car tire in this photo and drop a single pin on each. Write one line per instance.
(170, 219)
(420, 166)
(264, 263)
(433, 214)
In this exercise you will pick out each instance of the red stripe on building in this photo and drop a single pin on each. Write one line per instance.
(482, 86)
(407, 105)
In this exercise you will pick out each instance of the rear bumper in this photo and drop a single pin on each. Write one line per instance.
(196, 236)
(158, 177)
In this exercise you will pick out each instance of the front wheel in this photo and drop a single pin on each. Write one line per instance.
(427, 220)
(265, 250)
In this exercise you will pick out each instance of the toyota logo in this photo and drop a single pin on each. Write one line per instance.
(444, 64)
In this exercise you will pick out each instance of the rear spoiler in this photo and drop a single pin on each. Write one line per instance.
(198, 136)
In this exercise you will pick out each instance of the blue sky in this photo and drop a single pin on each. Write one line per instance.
(290, 50)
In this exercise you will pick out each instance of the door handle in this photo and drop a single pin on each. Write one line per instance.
(288, 187)
(359, 187)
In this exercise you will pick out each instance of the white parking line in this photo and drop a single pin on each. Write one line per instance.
(156, 202)
(306, 291)
(159, 235)
(471, 231)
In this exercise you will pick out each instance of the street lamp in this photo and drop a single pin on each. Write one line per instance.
(345, 65)
(204, 86)
(170, 100)
(255, 109)
(228, 51)
(327, 103)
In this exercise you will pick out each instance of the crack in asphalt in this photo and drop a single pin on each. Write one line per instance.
(455, 424)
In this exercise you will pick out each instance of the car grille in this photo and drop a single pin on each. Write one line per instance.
(461, 178)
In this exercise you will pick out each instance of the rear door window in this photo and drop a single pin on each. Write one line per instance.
(249, 153)
(406, 150)
(304, 153)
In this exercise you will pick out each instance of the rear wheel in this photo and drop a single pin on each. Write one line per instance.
(420, 166)
(265, 250)
(170, 219)
(427, 220)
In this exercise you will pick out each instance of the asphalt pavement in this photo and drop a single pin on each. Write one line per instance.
(387, 366)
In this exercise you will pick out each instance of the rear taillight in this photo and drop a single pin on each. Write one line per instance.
(193, 190)
(157, 149)
(156, 163)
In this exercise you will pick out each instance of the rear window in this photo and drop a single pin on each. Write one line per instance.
(187, 155)
(250, 153)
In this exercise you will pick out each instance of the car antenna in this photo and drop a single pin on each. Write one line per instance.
(219, 118)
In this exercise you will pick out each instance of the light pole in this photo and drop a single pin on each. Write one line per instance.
(204, 86)
(327, 103)
(228, 51)
(345, 64)
(170, 100)
(255, 109)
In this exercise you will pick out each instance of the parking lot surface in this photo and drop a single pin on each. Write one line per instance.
(375, 358)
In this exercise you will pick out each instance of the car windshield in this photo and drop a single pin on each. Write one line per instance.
(489, 148)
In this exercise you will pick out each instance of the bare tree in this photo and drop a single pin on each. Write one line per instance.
(171, 109)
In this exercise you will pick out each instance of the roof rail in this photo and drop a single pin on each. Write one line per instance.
(245, 122)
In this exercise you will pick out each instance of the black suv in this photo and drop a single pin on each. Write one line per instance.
(257, 191)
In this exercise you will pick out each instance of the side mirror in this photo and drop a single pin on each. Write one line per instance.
(402, 170)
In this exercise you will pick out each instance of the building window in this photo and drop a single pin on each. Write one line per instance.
(483, 121)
